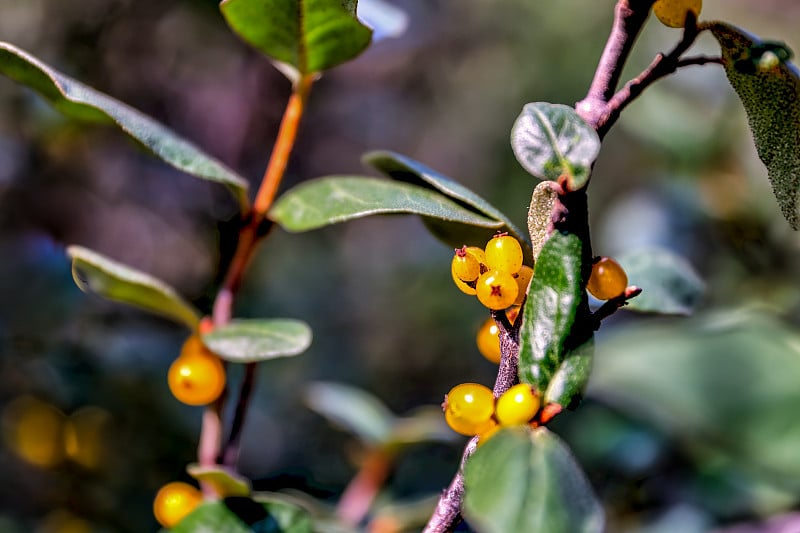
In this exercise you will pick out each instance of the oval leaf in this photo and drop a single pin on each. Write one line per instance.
(80, 101)
(211, 517)
(425, 424)
(252, 340)
(352, 409)
(553, 299)
(225, 482)
(770, 98)
(551, 140)
(569, 381)
(670, 284)
(97, 273)
(523, 481)
(335, 199)
(307, 35)
(285, 512)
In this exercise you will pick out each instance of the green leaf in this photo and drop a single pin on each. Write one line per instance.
(212, 517)
(551, 140)
(335, 199)
(278, 516)
(670, 284)
(290, 518)
(569, 381)
(306, 35)
(540, 213)
(96, 273)
(402, 168)
(252, 340)
(425, 424)
(352, 409)
(523, 481)
(226, 483)
(82, 102)
(553, 299)
(770, 97)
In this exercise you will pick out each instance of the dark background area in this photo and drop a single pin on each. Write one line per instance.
(678, 171)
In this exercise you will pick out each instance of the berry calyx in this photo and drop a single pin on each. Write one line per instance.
(469, 408)
(516, 406)
(497, 289)
(523, 278)
(673, 13)
(197, 376)
(488, 340)
(608, 279)
(174, 501)
(504, 253)
(465, 266)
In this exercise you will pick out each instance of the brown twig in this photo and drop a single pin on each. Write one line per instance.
(447, 514)
(610, 307)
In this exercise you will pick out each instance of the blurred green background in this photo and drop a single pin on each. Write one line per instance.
(691, 424)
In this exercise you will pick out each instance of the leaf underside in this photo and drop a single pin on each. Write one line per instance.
(252, 340)
(670, 284)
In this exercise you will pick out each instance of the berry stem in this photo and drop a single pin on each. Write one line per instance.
(359, 494)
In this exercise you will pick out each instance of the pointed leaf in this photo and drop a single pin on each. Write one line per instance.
(212, 517)
(335, 199)
(307, 35)
(569, 381)
(523, 481)
(80, 101)
(352, 409)
(670, 284)
(97, 273)
(553, 299)
(226, 483)
(252, 340)
(551, 140)
(769, 93)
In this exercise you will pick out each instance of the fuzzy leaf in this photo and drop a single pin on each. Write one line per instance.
(670, 284)
(225, 482)
(771, 97)
(551, 140)
(335, 199)
(525, 480)
(251, 340)
(307, 35)
(79, 101)
(97, 273)
(352, 409)
(539, 215)
(569, 381)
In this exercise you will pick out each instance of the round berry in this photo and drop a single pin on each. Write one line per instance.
(517, 405)
(497, 289)
(197, 376)
(488, 340)
(523, 278)
(504, 253)
(608, 279)
(465, 266)
(463, 286)
(469, 408)
(174, 501)
(673, 13)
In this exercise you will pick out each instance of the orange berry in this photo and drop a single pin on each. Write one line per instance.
(469, 408)
(497, 289)
(673, 13)
(174, 501)
(608, 279)
(488, 340)
(197, 376)
(523, 278)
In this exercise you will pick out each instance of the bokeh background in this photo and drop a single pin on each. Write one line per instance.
(691, 424)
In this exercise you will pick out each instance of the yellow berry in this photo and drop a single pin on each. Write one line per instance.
(504, 253)
(523, 278)
(174, 501)
(466, 288)
(608, 279)
(673, 13)
(469, 408)
(465, 266)
(517, 405)
(497, 289)
(197, 376)
(488, 340)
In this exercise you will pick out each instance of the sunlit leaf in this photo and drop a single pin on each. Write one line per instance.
(97, 273)
(251, 340)
(670, 284)
(225, 482)
(569, 380)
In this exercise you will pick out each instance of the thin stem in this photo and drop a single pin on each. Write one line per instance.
(359, 494)
(231, 453)
(447, 514)
(610, 307)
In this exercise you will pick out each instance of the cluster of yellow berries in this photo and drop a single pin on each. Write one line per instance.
(673, 13)
(471, 409)
(495, 274)
(197, 376)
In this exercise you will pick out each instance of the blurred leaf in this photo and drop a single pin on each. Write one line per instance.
(251, 340)
(335, 199)
(539, 215)
(352, 409)
(569, 381)
(726, 382)
(211, 517)
(402, 168)
(553, 299)
(525, 480)
(670, 284)
(263, 516)
(551, 140)
(82, 102)
(96, 273)
(386, 19)
(226, 483)
(290, 518)
(770, 97)
(308, 35)
(425, 424)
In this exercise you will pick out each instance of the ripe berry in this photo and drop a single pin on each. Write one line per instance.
(488, 340)
(488, 433)
(673, 13)
(497, 289)
(504, 253)
(608, 279)
(463, 286)
(523, 278)
(517, 405)
(469, 408)
(197, 376)
(465, 266)
(174, 501)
